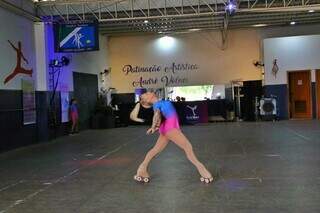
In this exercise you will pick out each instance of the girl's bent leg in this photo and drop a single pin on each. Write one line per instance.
(180, 139)
(159, 146)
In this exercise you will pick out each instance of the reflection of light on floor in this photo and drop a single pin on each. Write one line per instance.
(105, 162)
(233, 185)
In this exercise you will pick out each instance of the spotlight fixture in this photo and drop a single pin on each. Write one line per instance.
(105, 71)
(54, 63)
(311, 11)
(65, 61)
(231, 7)
(146, 21)
(292, 23)
(258, 63)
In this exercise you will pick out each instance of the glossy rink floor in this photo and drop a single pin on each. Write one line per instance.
(260, 167)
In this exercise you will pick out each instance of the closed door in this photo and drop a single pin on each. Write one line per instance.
(300, 94)
(86, 93)
(318, 92)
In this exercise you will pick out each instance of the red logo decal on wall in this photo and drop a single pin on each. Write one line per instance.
(18, 69)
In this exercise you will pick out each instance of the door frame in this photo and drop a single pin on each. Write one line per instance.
(288, 92)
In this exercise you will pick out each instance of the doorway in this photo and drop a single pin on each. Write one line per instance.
(300, 94)
(86, 92)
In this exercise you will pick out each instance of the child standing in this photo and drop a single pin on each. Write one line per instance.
(169, 130)
(74, 114)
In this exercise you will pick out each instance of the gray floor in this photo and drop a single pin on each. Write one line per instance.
(260, 167)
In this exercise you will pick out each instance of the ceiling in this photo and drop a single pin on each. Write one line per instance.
(178, 16)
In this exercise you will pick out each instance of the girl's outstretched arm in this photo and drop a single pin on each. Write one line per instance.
(156, 121)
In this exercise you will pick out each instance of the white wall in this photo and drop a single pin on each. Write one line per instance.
(93, 62)
(292, 53)
(15, 28)
(41, 59)
(215, 65)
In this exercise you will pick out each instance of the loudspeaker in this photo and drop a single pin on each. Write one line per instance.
(268, 108)
(251, 91)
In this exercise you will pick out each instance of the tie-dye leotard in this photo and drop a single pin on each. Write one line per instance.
(168, 111)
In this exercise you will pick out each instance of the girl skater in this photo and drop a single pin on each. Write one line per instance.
(169, 130)
(74, 114)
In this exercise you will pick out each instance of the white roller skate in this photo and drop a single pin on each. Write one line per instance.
(141, 179)
(206, 180)
(142, 175)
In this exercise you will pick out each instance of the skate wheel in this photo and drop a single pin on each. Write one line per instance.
(146, 180)
(139, 179)
(206, 180)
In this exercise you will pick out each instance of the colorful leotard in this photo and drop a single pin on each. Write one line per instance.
(74, 112)
(168, 111)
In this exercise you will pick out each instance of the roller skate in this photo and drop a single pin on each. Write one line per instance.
(141, 179)
(205, 176)
(142, 175)
(206, 180)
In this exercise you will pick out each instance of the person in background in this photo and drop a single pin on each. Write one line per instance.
(178, 99)
(74, 115)
(183, 99)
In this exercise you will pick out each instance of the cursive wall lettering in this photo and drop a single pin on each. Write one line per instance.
(137, 69)
(167, 79)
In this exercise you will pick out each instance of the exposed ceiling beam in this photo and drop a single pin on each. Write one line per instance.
(19, 11)
(130, 15)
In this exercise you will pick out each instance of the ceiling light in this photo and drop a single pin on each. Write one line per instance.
(231, 7)
(146, 21)
(166, 43)
(311, 11)
(259, 25)
(292, 23)
(194, 30)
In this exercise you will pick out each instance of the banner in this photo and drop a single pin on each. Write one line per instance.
(28, 101)
(196, 112)
(65, 107)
